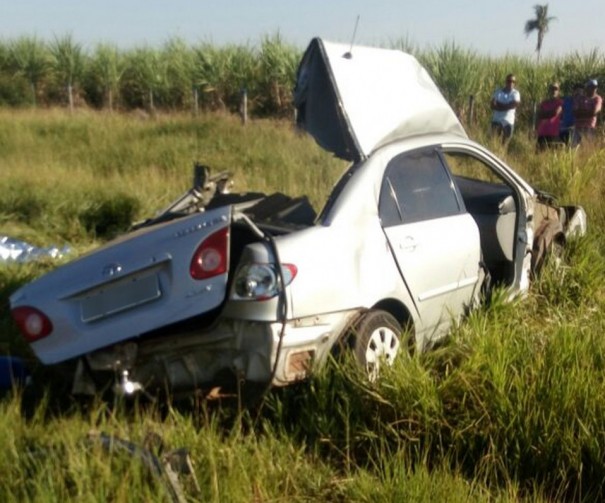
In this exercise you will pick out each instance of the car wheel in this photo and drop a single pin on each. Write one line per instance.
(377, 341)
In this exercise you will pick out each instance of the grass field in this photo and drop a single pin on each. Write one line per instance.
(510, 408)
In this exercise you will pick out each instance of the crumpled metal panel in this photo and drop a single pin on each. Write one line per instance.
(355, 99)
(13, 250)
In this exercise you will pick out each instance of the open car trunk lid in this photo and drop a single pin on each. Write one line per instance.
(354, 99)
(137, 283)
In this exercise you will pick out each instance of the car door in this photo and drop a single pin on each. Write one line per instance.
(434, 240)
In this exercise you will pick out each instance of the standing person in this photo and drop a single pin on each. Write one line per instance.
(504, 102)
(586, 108)
(549, 118)
(566, 129)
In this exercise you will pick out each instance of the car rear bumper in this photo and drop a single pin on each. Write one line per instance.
(274, 353)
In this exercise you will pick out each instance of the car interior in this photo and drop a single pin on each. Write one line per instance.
(491, 202)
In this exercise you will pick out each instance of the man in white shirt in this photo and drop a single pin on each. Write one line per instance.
(504, 102)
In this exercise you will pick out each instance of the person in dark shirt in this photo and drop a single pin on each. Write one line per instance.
(566, 125)
(586, 109)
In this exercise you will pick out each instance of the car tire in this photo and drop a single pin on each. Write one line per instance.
(377, 341)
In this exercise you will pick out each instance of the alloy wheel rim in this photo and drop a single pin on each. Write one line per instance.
(383, 346)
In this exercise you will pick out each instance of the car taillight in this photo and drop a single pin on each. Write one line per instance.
(260, 281)
(211, 256)
(32, 323)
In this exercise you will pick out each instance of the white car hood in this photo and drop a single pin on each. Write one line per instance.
(353, 100)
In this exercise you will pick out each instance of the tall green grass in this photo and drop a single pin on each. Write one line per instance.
(78, 177)
(509, 408)
(514, 398)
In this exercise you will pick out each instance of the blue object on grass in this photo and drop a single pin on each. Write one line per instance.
(12, 372)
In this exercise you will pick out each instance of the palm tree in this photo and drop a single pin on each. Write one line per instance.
(539, 24)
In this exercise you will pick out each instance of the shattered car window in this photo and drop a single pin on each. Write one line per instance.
(417, 187)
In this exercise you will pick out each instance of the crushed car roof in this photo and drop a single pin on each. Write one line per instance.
(354, 99)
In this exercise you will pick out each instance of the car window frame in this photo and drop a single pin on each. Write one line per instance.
(433, 150)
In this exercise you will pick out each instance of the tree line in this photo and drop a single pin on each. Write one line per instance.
(178, 76)
(175, 76)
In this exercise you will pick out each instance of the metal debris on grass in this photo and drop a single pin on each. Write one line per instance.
(14, 250)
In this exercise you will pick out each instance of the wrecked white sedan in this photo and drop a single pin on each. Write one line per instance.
(262, 289)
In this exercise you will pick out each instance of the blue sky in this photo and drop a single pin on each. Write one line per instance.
(486, 26)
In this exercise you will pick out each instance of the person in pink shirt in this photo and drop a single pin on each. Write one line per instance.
(549, 118)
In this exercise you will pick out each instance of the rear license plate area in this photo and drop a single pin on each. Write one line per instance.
(120, 296)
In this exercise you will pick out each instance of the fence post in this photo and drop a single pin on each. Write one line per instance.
(244, 106)
(471, 109)
(196, 101)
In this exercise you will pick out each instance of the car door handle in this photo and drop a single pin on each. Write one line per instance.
(408, 244)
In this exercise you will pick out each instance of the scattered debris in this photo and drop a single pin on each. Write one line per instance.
(13, 250)
(165, 465)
